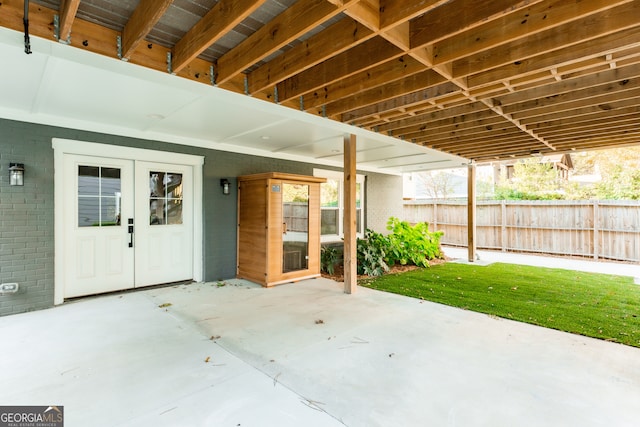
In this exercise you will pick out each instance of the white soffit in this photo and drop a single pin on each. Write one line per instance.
(63, 86)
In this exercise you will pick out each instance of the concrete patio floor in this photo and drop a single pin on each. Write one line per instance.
(306, 354)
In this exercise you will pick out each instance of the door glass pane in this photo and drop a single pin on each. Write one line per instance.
(88, 180)
(174, 212)
(295, 227)
(165, 198)
(99, 196)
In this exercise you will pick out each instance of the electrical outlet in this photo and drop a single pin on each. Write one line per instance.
(9, 288)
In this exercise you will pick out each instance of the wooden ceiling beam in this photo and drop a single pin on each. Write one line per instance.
(473, 120)
(592, 96)
(361, 58)
(433, 116)
(497, 135)
(222, 18)
(142, 20)
(409, 84)
(570, 85)
(478, 127)
(406, 100)
(554, 39)
(457, 16)
(611, 128)
(336, 39)
(295, 21)
(611, 105)
(600, 118)
(387, 72)
(522, 23)
(601, 143)
(589, 50)
(493, 145)
(393, 12)
(68, 10)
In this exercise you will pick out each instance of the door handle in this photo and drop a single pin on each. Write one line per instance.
(130, 232)
(284, 228)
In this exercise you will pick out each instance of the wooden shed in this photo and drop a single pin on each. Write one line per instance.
(278, 227)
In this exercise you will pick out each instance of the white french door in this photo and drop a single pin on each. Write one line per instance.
(127, 224)
(163, 224)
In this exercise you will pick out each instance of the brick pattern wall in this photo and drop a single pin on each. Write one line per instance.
(383, 200)
(26, 221)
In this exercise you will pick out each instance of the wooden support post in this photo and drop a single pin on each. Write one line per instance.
(434, 222)
(596, 229)
(350, 255)
(503, 228)
(471, 212)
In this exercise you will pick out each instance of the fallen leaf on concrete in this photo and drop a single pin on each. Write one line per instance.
(215, 337)
(319, 322)
(207, 359)
(166, 304)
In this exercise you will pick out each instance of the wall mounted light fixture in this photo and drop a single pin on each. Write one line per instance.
(16, 171)
(226, 186)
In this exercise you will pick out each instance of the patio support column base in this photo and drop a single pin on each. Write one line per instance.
(350, 228)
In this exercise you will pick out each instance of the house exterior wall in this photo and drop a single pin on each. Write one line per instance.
(27, 213)
(383, 200)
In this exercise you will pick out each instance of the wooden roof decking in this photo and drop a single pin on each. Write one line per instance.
(482, 79)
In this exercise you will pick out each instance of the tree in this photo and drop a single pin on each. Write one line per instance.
(533, 180)
(618, 168)
(438, 184)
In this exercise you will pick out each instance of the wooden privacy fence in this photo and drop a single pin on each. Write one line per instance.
(597, 229)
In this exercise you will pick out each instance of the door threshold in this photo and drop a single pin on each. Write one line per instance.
(128, 291)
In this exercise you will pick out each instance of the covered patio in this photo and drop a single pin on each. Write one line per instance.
(235, 354)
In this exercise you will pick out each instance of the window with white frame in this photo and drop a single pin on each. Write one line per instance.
(332, 205)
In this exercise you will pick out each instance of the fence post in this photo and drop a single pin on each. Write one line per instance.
(596, 229)
(435, 216)
(503, 216)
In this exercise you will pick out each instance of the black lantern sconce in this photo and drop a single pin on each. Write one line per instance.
(16, 173)
(226, 186)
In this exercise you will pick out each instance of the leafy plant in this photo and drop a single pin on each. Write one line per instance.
(329, 258)
(371, 253)
(409, 244)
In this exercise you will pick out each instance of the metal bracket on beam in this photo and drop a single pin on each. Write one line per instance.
(301, 103)
(275, 94)
(169, 64)
(246, 84)
(119, 46)
(324, 111)
(56, 30)
(56, 27)
(212, 75)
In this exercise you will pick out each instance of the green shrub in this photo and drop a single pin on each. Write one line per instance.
(371, 252)
(329, 258)
(409, 244)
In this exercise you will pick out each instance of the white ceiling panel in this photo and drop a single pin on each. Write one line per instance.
(63, 86)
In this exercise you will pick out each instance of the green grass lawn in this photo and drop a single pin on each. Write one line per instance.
(596, 305)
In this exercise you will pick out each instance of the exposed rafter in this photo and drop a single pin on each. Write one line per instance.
(68, 10)
(143, 19)
(483, 79)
